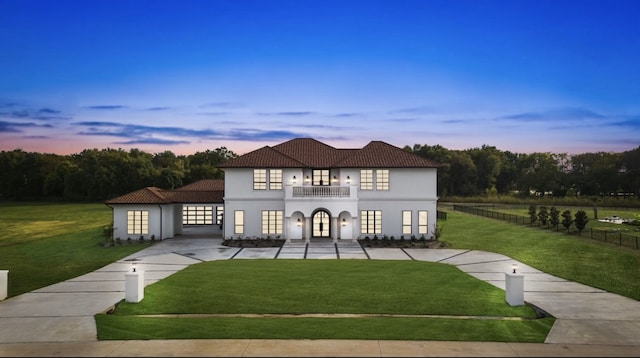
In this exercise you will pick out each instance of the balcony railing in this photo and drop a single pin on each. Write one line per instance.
(321, 192)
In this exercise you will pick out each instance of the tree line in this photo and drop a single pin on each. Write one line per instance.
(99, 174)
(489, 171)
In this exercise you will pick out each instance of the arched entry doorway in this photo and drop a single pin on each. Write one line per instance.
(320, 224)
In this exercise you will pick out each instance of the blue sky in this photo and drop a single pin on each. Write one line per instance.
(186, 76)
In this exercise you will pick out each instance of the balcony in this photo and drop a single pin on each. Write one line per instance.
(308, 192)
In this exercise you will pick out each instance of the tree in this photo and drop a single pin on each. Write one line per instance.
(581, 220)
(488, 162)
(463, 174)
(532, 214)
(554, 217)
(567, 220)
(543, 215)
(540, 173)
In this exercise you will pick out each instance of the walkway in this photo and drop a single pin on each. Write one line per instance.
(589, 321)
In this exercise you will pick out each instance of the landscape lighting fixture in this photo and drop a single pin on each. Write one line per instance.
(133, 266)
(514, 266)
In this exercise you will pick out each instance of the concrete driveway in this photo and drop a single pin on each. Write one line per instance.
(63, 312)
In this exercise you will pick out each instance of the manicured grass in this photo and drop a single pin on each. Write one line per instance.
(128, 327)
(596, 264)
(43, 243)
(324, 286)
(319, 286)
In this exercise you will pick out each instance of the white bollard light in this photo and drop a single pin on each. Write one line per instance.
(4, 284)
(134, 286)
(514, 288)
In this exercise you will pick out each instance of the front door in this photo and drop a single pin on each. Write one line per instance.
(321, 227)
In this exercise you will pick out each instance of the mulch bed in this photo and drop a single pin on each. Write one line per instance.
(403, 244)
(254, 243)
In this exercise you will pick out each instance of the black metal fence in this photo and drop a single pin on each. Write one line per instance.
(441, 215)
(615, 236)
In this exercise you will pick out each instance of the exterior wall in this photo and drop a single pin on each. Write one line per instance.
(252, 216)
(409, 189)
(392, 216)
(157, 218)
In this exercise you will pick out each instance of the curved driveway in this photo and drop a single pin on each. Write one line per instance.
(63, 312)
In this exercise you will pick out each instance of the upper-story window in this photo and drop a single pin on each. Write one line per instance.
(381, 179)
(260, 179)
(275, 179)
(321, 177)
(366, 179)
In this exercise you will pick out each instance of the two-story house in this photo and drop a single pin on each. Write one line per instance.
(301, 189)
(305, 189)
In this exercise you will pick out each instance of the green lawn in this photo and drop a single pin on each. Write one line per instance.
(293, 287)
(596, 264)
(44, 243)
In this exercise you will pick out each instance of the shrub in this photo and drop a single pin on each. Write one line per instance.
(554, 217)
(543, 215)
(532, 214)
(567, 220)
(581, 220)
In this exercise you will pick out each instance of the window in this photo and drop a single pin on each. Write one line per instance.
(219, 214)
(371, 222)
(423, 227)
(137, 222)
(197, 215)
(272, 222)
(382, 179)
(275, 179)
(238, 222)
(321, 177)
(366, 179)
(406, 221)
(259, 179)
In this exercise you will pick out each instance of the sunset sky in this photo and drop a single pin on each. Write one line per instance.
(187, 76)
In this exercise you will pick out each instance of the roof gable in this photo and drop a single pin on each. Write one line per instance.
(148, 195)
(265, 157)
(378, 154)
(310, 152)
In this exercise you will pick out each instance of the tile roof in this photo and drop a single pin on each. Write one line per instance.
(262, 158)
(196, 196)
(204, 185)
(148, 195)
(203, 191)
(310, 153)
(378, 154)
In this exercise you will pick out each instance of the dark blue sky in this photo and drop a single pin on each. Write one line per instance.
(525, 76)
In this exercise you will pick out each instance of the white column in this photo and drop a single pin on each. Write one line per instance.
(134, 286)
(307, 229)
(4, 284)
(514, 289)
